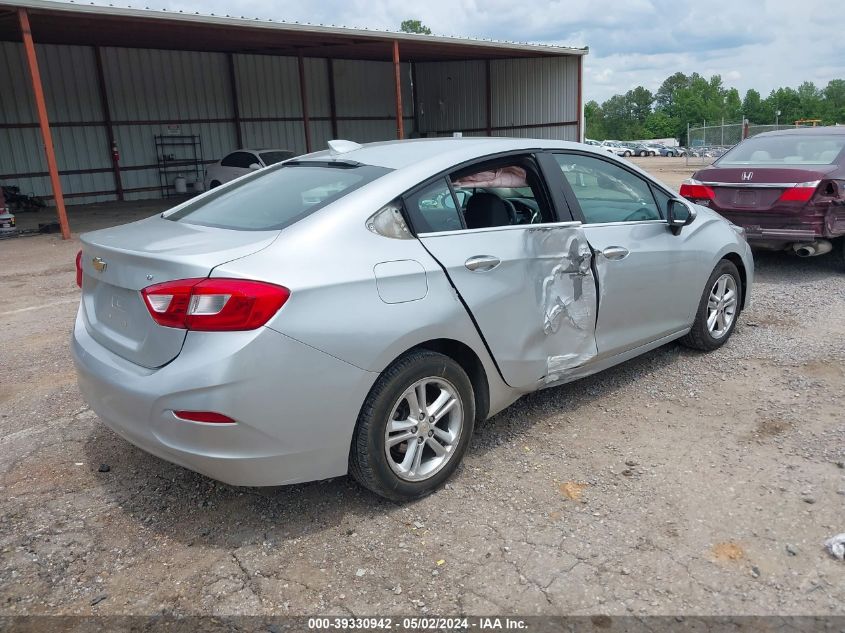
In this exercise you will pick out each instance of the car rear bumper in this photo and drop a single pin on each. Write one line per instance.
(787, 226)
(295, 406)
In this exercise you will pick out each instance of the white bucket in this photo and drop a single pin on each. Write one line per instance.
(180, 184)
(7, 221)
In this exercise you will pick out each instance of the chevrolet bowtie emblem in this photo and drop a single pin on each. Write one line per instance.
(99, 264)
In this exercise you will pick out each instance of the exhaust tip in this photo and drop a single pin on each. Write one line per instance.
(805, 251)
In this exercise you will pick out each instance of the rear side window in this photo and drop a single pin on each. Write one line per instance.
(239, 159)
(432, 209)
(788, 149)
(277, 197)
(275, 156)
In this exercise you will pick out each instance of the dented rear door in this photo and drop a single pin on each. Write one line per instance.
(531, 291)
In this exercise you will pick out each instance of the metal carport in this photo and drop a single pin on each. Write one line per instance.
(83, 89)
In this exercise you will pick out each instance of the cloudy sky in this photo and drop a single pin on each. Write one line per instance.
(759, 44)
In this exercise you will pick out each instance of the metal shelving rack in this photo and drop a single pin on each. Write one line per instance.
(178, 154)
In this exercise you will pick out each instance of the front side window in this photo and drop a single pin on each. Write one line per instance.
(607, 192)
(276, 197)
(501, 194)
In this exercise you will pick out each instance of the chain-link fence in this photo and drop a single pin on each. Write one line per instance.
(707, 142)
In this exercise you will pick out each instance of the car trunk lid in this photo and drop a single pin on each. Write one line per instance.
(756, 188)
(118, 262)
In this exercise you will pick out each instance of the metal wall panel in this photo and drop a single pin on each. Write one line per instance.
(147, 89)
(17, 104)
(551, 132)
(267, 86)
(367, 131)
(366, 89)
(317, 85)
(68, 74)
(451, 96)
(154, 85)
(275, 134)
(529, 91)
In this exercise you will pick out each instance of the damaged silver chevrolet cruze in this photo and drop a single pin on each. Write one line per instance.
(360, 309)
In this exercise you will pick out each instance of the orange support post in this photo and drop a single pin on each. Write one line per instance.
(397, 76)
(41, 106)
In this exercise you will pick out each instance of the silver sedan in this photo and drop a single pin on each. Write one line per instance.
(361, 309)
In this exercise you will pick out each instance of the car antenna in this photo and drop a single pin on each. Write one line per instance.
(339, 146)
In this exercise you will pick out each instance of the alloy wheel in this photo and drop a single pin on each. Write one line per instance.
(721, 306)
(424, 429)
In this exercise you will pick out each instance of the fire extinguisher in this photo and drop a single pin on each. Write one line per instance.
(115, 155)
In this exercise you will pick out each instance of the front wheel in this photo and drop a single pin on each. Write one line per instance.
(718, 309)
(414, 427)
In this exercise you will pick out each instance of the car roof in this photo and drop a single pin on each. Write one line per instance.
(443, 151)
(820, 130)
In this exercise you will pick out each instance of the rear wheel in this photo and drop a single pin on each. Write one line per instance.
(718, 309)
(414, 427)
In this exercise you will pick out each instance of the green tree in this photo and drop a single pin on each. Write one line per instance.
(594, 120)
(752, 106)
(658, 124)
(833, 108)
(414, 26)
(810, 100)
(640, 100)
(733, 105)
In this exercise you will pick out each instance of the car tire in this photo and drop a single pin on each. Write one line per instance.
(707, 336)
(375, 464)
(214, 183)
(626, 154)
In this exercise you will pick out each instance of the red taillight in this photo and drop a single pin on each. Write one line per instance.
(801, 192)
(210, 417)
(214, 305)
(694, 190)
(79, 269)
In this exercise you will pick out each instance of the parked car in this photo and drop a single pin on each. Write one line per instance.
(640, 149)
(618, 148)
(361, 309)
(664, 150)
(598, 144)
(786, 188)
(241, 162)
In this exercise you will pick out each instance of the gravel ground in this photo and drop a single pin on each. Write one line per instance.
(677, 483)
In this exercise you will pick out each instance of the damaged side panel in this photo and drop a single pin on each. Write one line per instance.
(534, 299)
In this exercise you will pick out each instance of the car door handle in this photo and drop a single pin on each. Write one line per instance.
(615, 252)
(482, 263)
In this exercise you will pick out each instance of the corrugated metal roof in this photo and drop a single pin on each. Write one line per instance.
(418, 45)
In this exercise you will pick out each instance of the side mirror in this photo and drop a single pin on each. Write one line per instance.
(255, 167)
(679, 214)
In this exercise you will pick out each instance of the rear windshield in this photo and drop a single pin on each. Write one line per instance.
(277, 197)
(275, 156)
(789, 149)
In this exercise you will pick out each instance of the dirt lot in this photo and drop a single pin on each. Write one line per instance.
(678, 483)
